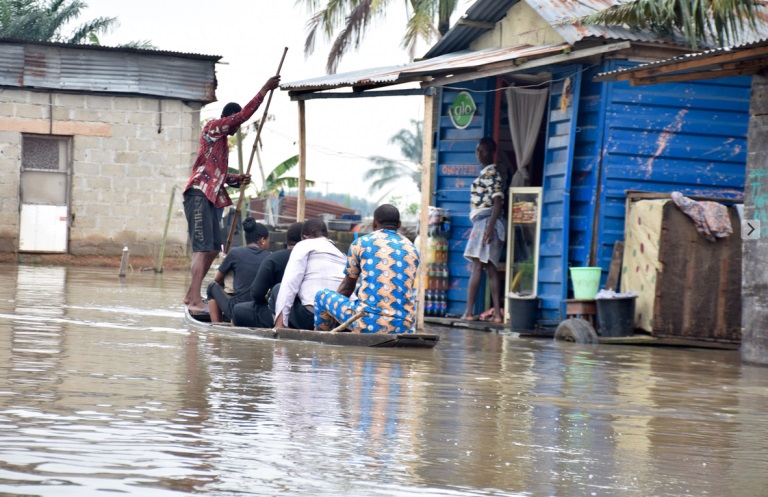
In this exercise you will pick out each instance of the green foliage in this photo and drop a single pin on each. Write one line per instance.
(697, 19)
(388, 171)
(40, 20)
(275, 180)
(427, 19)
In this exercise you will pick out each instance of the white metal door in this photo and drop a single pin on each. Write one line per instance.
(44, 222)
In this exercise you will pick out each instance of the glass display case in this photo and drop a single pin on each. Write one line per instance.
(523, 231)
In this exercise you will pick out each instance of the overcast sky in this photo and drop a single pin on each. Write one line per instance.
(250, 36)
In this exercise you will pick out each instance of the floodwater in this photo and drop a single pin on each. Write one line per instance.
(104, 392)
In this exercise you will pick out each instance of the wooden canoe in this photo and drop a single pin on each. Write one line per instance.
(201, 322)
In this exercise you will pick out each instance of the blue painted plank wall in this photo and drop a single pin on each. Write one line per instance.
(456, 168)
(556, 192)
(688, 137)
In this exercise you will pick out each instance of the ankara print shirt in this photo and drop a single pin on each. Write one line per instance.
(486, 187)
(384, 263)
(209, 172)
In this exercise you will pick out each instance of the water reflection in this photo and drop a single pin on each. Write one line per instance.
(103, 390)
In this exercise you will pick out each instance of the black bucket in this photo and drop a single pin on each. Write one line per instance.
(522, 313)
(616, 316)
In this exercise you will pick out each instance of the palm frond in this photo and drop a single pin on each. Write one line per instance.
(698, 20)
(350, 35)
(282, 168)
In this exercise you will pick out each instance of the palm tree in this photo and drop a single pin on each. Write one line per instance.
(389, 170)
(697, 19)
(427, 19)
(44, 21)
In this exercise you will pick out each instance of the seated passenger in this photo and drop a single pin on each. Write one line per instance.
(244, 263)
(260, 311)
(316, 263)
(381, 271)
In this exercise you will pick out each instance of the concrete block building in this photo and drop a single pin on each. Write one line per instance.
(95, 144)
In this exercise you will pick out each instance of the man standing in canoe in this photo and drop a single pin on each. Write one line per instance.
(381, 270)
(205, 192)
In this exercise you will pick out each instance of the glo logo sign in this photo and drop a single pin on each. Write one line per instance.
(462, 110)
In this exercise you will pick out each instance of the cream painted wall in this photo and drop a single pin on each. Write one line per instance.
(128, 155)
(521, 26)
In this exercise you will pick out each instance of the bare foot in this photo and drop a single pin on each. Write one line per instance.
(196, 308)
(497, 319)
(468, 317)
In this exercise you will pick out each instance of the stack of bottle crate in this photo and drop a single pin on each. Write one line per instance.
(436, 263)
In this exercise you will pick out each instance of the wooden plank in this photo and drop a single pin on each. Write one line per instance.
(698, 294)
(614, 271)
(693, 76)
(302, 163)
(418, 340)
(426, 199)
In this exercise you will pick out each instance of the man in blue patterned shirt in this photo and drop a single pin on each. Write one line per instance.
(381, 271)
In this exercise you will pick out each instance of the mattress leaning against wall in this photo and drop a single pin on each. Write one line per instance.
(695, 283)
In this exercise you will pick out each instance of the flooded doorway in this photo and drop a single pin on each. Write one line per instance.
(44, 194)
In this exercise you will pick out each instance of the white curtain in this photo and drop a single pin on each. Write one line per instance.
(525, 108)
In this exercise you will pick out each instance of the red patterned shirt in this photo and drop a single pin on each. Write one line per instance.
(209, 173)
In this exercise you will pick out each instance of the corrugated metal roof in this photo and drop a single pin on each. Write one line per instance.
(463, 61)
(611, 75)
(562, 15)
(103, 48)
(95, 69)
(462, 34)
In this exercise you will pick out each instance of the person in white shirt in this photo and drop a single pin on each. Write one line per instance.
(316, 263)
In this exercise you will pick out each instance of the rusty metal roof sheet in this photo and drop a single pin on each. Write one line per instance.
(63, 66)
(463, 61)
(707, 54)
(561, 15)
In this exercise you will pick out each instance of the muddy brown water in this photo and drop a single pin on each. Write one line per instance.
(104, 392)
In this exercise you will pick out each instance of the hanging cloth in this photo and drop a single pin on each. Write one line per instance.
(525, 108)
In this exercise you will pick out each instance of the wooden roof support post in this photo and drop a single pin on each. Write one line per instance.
(302, 163)
(426, 188)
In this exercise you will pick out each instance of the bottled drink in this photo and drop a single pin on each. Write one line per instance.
(429, 303)
(431, 250)
(442, 306)
(444, 251)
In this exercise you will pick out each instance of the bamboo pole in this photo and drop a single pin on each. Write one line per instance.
(240, 163)
(426, 189)
(302, 163)
(253, 152)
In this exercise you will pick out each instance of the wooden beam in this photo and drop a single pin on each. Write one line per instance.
(476, 24)
(702, 62)
(533, 64)
(366, 94)
(302, 163)
(426, 188)
(691, 76)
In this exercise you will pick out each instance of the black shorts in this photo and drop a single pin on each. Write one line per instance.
(202, 221)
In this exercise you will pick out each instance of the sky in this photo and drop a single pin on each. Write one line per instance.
(250, 35)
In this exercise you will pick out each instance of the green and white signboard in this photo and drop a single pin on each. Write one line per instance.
(462, 110)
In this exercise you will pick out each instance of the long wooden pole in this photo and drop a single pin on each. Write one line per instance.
(253, 152)
(302, 163)
(426, 189)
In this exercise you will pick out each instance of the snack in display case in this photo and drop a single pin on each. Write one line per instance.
(523, 212)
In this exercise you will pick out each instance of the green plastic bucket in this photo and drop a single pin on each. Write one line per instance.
(586, 282)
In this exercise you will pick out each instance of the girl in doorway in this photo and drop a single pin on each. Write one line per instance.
(487, 237)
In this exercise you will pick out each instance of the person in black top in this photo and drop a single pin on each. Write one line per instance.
(260, 311)
(244, 262)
